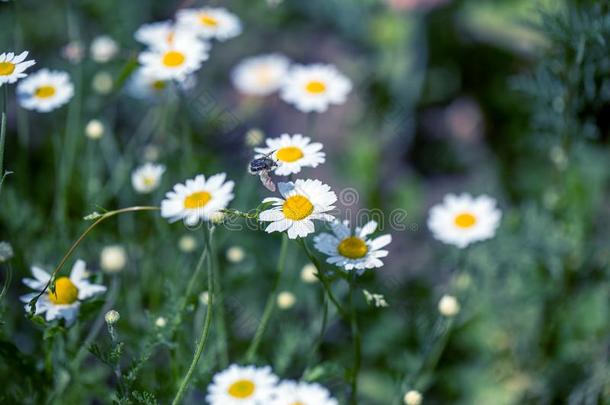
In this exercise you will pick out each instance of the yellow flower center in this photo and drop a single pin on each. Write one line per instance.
(65, 292)
(297, 207)
(6, 68)
(173, 58)
(208, 20)
(158, 85)
(289, 154)
(315, 87)
(197, 200)
(353, 248)
(465, 220)
(242, 389)
(45, 92)
(149, 181)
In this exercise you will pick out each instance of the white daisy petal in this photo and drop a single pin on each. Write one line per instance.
(45, 90)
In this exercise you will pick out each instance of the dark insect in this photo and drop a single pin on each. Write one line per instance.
(262, 166)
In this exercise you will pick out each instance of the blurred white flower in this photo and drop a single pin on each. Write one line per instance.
(313, 88)
(163, 34)
(197, 199)
(45, 90)
(448, 306)
(302, 202)
(147, 177)
(103, 49)
(160, 322)
(254, 137)
(210, 23)
(235, 254)
(12, 67)
(308, 273)
(151, 153)
(260, 75)
(352, 249)
(102, 82)
(242, 384)
(187, 243)
(462, 220)
(293, 153)
(64, 301)
(176, 61)
(413, 398)
(73, 51)
(292, 393)
(113, 258)
(111, 317)
(94, 129)
(286, 300)
(204, 298)
(378, 300)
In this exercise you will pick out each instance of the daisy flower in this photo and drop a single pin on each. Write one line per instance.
(260, 75)
(12, 67)
(291, 393)
(246, 385)
(315, 87)
(197, 199)
(162, 34)
(209, 22)
(353, 249)
(69, 291)
(302, 202)
(45, 90)
(144, 86)
(176, 60)
(103, 49)
(146, 178)
(462, 220)
(293, 153)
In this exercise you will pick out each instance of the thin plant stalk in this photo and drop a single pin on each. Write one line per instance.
(206, 325)
(99, 219)
(221, 328)
(357, 341)
(3, 133)
(270, 305)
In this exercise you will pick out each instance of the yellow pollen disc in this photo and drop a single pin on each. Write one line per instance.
(173, 58)
(315, 87)
(353, 248)
(149, 181)
(45, 92)
(197, 200)
(242, 389)
(289, 154)
(297, 207)
(208, 20)
(158, 85)
(465, 220)
(6, 68)
(65, 292)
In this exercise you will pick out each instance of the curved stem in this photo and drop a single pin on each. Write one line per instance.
(270, 305)
(101, 218)
(205, 332)
(357, 341)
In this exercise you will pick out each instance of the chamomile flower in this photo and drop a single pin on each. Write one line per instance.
(176, 60)
(145, 86)
(64, 302)
(291, 393)
(210, 22)
(12, 67)
(462, 220)
(301, 203)
(162, 34)
(197, 199)
(353, 249)
(45, 90)
(293, 153)
(146, 178)
(260, 75)
(313, 88)
(103, 49)
(238, 385)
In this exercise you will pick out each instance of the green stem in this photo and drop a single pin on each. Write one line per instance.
(357, 341)
(270, 305)
(100, 219)
(221, 328)
(3, 133)
(206, 325)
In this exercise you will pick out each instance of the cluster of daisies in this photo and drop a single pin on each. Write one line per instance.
(310, 88)
(240, 385)
(175, 50)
